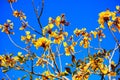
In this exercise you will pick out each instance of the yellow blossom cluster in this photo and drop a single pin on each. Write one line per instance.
(21, 58)
(105, 16)
(69, 49)
(80, 75)
(28, 37)
(99, 33)
(111, 18)
(47, 75)
(7, 61)
(53, 34)
(23, 26)
(86, 36)
(56, 33)
(19, 14)
(60, 20)
(42, 42)
(7, 27)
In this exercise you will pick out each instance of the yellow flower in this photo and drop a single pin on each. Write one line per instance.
(37, 79)
(68, 50)
(104, 71)
(0, 26)
(8, 20)
(65, 44)
(27, 32)
(58, 39)
(85, 42)
(113, 14)
(81, 43)
(103, 68)
(53, 34)
(24, 25)
(51, 25)
(19, 14)
(23, 38)
(104, 17)
(80, 76)
(118, 23)
(74, 43)
(16, 58)
(28, 37)
(94, 33)
(42, 42)
(110, 23)
(19, 53)
(112, 74)
(102, 26)
(117, 7)
(86, 67)
(57, 21)
(65, 34)
(48, 74)
(16, 13)
(77, 32)
(50, 18)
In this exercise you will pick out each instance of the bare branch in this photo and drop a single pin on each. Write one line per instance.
(25, 22)
(17, 44)
(38, 15)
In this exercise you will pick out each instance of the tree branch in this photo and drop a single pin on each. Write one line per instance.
(38, 16)
(17, 44)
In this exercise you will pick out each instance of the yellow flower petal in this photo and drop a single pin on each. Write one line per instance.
(27, 32)
(23, 38)
(117, 7)
(65, 44)
(19, 53)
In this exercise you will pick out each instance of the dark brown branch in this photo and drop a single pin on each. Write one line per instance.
(30, 27)
(38, 15)
(42, 8)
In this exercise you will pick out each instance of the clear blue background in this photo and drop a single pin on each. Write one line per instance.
(79, 13)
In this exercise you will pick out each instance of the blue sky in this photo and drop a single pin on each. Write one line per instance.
(79, 13)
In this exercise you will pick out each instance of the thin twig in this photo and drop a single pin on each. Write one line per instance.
(95, 48)
(17, 44)
(42, 8)
(31, 27)
(58, 48)
(25, 21)
(54, 61)
(38, 15)
(7, 76)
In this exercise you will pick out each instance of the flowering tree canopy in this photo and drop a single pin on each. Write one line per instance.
(52, 42)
